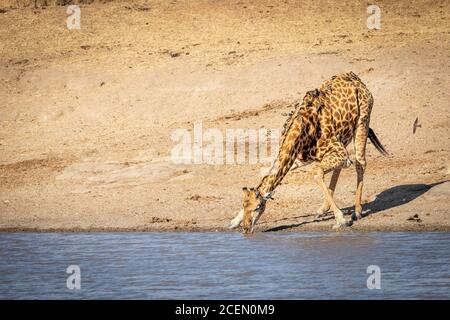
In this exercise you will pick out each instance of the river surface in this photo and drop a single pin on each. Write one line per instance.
(178, 265)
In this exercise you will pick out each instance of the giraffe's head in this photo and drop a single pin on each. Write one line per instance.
(254, 205)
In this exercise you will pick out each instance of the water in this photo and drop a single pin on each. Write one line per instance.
(224, 265)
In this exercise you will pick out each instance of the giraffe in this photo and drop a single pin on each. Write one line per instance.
(318, 131)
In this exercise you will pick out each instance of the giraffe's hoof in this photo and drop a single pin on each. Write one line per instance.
(342, 224)
(321, 216)
(356, 216)
(318, 216)
(322, 211)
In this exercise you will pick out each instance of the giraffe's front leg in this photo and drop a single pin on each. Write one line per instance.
(332, 161)
(326, 205)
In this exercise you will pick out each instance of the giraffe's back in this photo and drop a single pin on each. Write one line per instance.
(330, 115)
(343, 96)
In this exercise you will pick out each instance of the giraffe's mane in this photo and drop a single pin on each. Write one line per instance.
(288, 123)
(294, 114)
(298, 106)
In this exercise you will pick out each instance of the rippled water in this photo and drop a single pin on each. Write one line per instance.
(224, 265)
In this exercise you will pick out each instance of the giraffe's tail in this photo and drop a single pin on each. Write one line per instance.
(373, 138)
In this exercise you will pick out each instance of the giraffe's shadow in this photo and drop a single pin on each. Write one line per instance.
(387, 199)
(394, 197)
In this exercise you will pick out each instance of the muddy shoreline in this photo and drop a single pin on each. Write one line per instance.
(424, 228)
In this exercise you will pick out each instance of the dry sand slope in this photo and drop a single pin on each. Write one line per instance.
(87, 115)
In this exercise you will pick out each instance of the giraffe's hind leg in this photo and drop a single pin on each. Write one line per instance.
(360, 165)
(332, 161)
(326, 205)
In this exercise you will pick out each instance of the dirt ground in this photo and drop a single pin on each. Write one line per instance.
(87, 115)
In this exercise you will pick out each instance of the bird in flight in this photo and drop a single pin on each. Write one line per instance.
(416, 125)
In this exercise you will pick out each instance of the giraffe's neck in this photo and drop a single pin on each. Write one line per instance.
(287, 154)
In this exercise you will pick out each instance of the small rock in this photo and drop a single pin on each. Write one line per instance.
(159, 220)
(414, 218)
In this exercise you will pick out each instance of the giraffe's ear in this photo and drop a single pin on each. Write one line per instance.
(245, 193)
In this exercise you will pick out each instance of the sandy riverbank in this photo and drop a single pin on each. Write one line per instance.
(87, 115)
